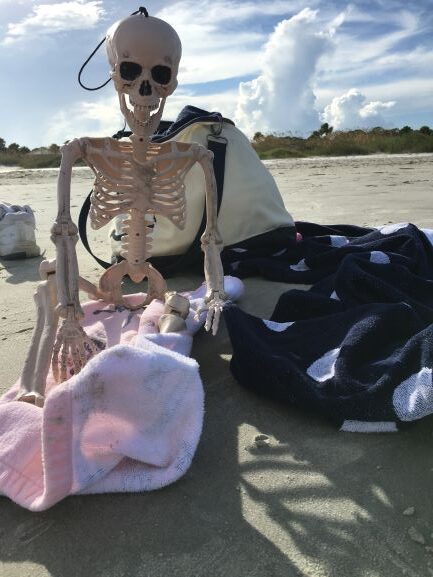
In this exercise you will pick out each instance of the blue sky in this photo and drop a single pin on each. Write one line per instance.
(273, 66)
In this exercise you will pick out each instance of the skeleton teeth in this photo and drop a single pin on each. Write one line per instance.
(137, 122)
(140, 118)
(143, 123)
(149, 107)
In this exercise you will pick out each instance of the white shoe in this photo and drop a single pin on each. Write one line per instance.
(17, 232)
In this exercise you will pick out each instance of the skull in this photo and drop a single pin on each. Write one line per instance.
(144, 54)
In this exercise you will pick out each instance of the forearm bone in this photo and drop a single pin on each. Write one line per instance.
(64, 234)
(212, 245)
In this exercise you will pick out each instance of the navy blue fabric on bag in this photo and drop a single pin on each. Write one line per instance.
(358, 346)
(188, 115)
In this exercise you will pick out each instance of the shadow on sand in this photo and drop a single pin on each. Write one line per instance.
(22, 270)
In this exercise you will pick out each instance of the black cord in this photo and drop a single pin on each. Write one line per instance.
(85, 64)
(122, 132)
(142, 11)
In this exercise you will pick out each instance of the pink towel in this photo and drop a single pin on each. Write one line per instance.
(129, 421)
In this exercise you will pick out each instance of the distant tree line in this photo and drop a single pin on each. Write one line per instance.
(329, 142)
(326, 130)
(16, 155)
(15, 148)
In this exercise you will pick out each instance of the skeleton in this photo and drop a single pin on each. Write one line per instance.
(137, 178)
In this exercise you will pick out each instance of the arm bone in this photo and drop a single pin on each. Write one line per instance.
(64, 234)
(212, 245)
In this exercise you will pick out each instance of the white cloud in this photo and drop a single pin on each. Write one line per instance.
(48, 19)
(351, 110)
(404, 89)
(224, 102)
(100, 118)
(369, 54)
(281, 98)
(222, 39)
(209, 51)
(217, 13)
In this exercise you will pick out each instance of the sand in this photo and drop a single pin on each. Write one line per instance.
(306, 500)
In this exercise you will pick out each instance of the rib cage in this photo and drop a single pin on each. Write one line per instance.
(124, 186)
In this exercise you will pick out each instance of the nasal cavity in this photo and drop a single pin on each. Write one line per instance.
(145, 88)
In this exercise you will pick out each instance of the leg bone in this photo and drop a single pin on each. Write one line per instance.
(37, 363)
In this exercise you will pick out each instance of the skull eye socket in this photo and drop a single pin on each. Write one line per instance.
(161, 74)
(130, 70)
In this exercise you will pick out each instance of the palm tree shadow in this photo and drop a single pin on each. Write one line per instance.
(336, 500)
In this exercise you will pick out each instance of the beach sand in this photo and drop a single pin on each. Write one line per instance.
(316, 502)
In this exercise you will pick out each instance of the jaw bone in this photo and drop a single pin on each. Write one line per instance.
(142, 120)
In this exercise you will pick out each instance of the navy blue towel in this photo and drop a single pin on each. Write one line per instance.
(358, 346)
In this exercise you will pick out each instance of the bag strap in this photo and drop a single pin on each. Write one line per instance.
(82, 230)
(217, 144)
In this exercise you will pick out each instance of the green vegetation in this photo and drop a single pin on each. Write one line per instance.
(30, 161)
(327, 142)
(16, 155)
(322, 142)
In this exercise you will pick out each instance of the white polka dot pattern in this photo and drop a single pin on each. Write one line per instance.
(337, 240)
(413, 398)
(324, 368)
(277, 327)
(379, 257)
(300, 266)
(390, 228)
(350, 426)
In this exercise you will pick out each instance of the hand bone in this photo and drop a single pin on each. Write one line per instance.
(213, 304)
(74, 345)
